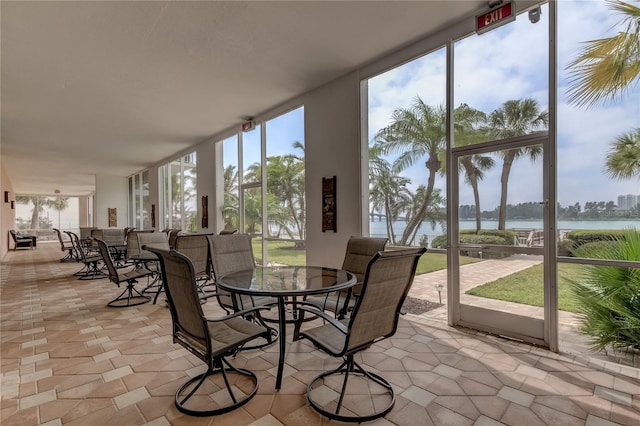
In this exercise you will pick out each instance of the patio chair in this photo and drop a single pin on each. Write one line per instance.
(359, 252)
(233, 253)
(196, 248)
(66, 246)
(387, 280)
(130, 296)
(90, 270)
(20, 241)
(211, 340)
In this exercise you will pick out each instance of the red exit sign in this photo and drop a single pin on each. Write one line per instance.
(495, 17)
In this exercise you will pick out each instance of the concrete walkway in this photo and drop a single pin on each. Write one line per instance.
(571, 341)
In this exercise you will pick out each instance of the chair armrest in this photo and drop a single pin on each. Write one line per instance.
(330, 319)
(239, 313)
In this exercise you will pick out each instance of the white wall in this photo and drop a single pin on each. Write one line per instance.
(7, 215)
(332, 145)
(111, 192)
(205, 184)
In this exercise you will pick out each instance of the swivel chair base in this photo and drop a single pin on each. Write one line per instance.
(348, 367)
(228, 402)
(129, 297)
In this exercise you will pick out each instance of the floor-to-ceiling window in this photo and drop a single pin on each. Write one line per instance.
(407, 143)
(538, 166)
(599, 171)
(139, 202)
(39, 214)
(179, 203)
(263, 186)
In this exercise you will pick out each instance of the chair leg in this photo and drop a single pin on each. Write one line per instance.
(69, 257)
(349, 367)
(92, 272)
(221, 366)
(129, 297)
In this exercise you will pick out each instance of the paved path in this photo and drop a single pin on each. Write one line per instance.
(571, 341)
(471, 275)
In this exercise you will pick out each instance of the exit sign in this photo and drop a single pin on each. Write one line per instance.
(496, 17)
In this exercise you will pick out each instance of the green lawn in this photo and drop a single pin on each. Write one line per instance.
(283, 252)
(526, 287)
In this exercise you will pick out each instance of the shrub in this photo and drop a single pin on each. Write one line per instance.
(565, 248)
(580, 237)
(608, 297)
(467, 237)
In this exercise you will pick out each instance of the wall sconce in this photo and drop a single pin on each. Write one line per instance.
(13, 205)
(6, 196)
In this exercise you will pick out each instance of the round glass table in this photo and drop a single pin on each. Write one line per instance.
(283, 283)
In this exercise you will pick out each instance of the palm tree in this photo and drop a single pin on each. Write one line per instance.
(606, 67)
(231, 205)
(603, 71)
(388, 190)
(286, 186)
(515, 118)
(623, 159)
(59, 204)
(467, 132)
(39, 203)
(416, 133)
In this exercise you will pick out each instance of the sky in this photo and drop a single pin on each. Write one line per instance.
(510, 62)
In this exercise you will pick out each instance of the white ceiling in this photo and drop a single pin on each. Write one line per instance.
(112, 87)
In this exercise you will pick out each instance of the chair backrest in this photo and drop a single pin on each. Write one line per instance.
(13, 235)
(359, 252)
(85, 232)
(154, 239)
(96, 234)
(59, 234)
(108, 261)
(133, 245)
(196, 248)
(113, 236)
(173, 234)
(189, 328)
(75, 242)
(231, 253)
(387, 281)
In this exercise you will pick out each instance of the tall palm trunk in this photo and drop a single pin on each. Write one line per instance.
(433, 165)
(389, 224)
(476, 198)
(473, 181)
(509, 156)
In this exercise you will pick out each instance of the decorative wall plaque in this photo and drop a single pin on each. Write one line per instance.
(113, 218)
(329, 204)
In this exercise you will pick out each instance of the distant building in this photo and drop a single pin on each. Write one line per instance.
(628, 202)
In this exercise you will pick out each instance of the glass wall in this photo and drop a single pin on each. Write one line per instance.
(139, 201)
(525, 169)
(267, 200)
(407, 142)
(598, 184)
(39, 214)
(179, 194)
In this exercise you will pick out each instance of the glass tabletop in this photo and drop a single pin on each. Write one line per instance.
(287, 280)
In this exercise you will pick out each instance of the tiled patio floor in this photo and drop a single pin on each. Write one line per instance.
(66, 358)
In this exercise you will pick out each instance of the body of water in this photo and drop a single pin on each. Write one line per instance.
(379, 229)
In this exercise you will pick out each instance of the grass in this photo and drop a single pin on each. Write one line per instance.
(283, 252)
(526, 287)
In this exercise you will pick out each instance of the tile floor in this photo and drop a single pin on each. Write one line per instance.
(66, 358)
